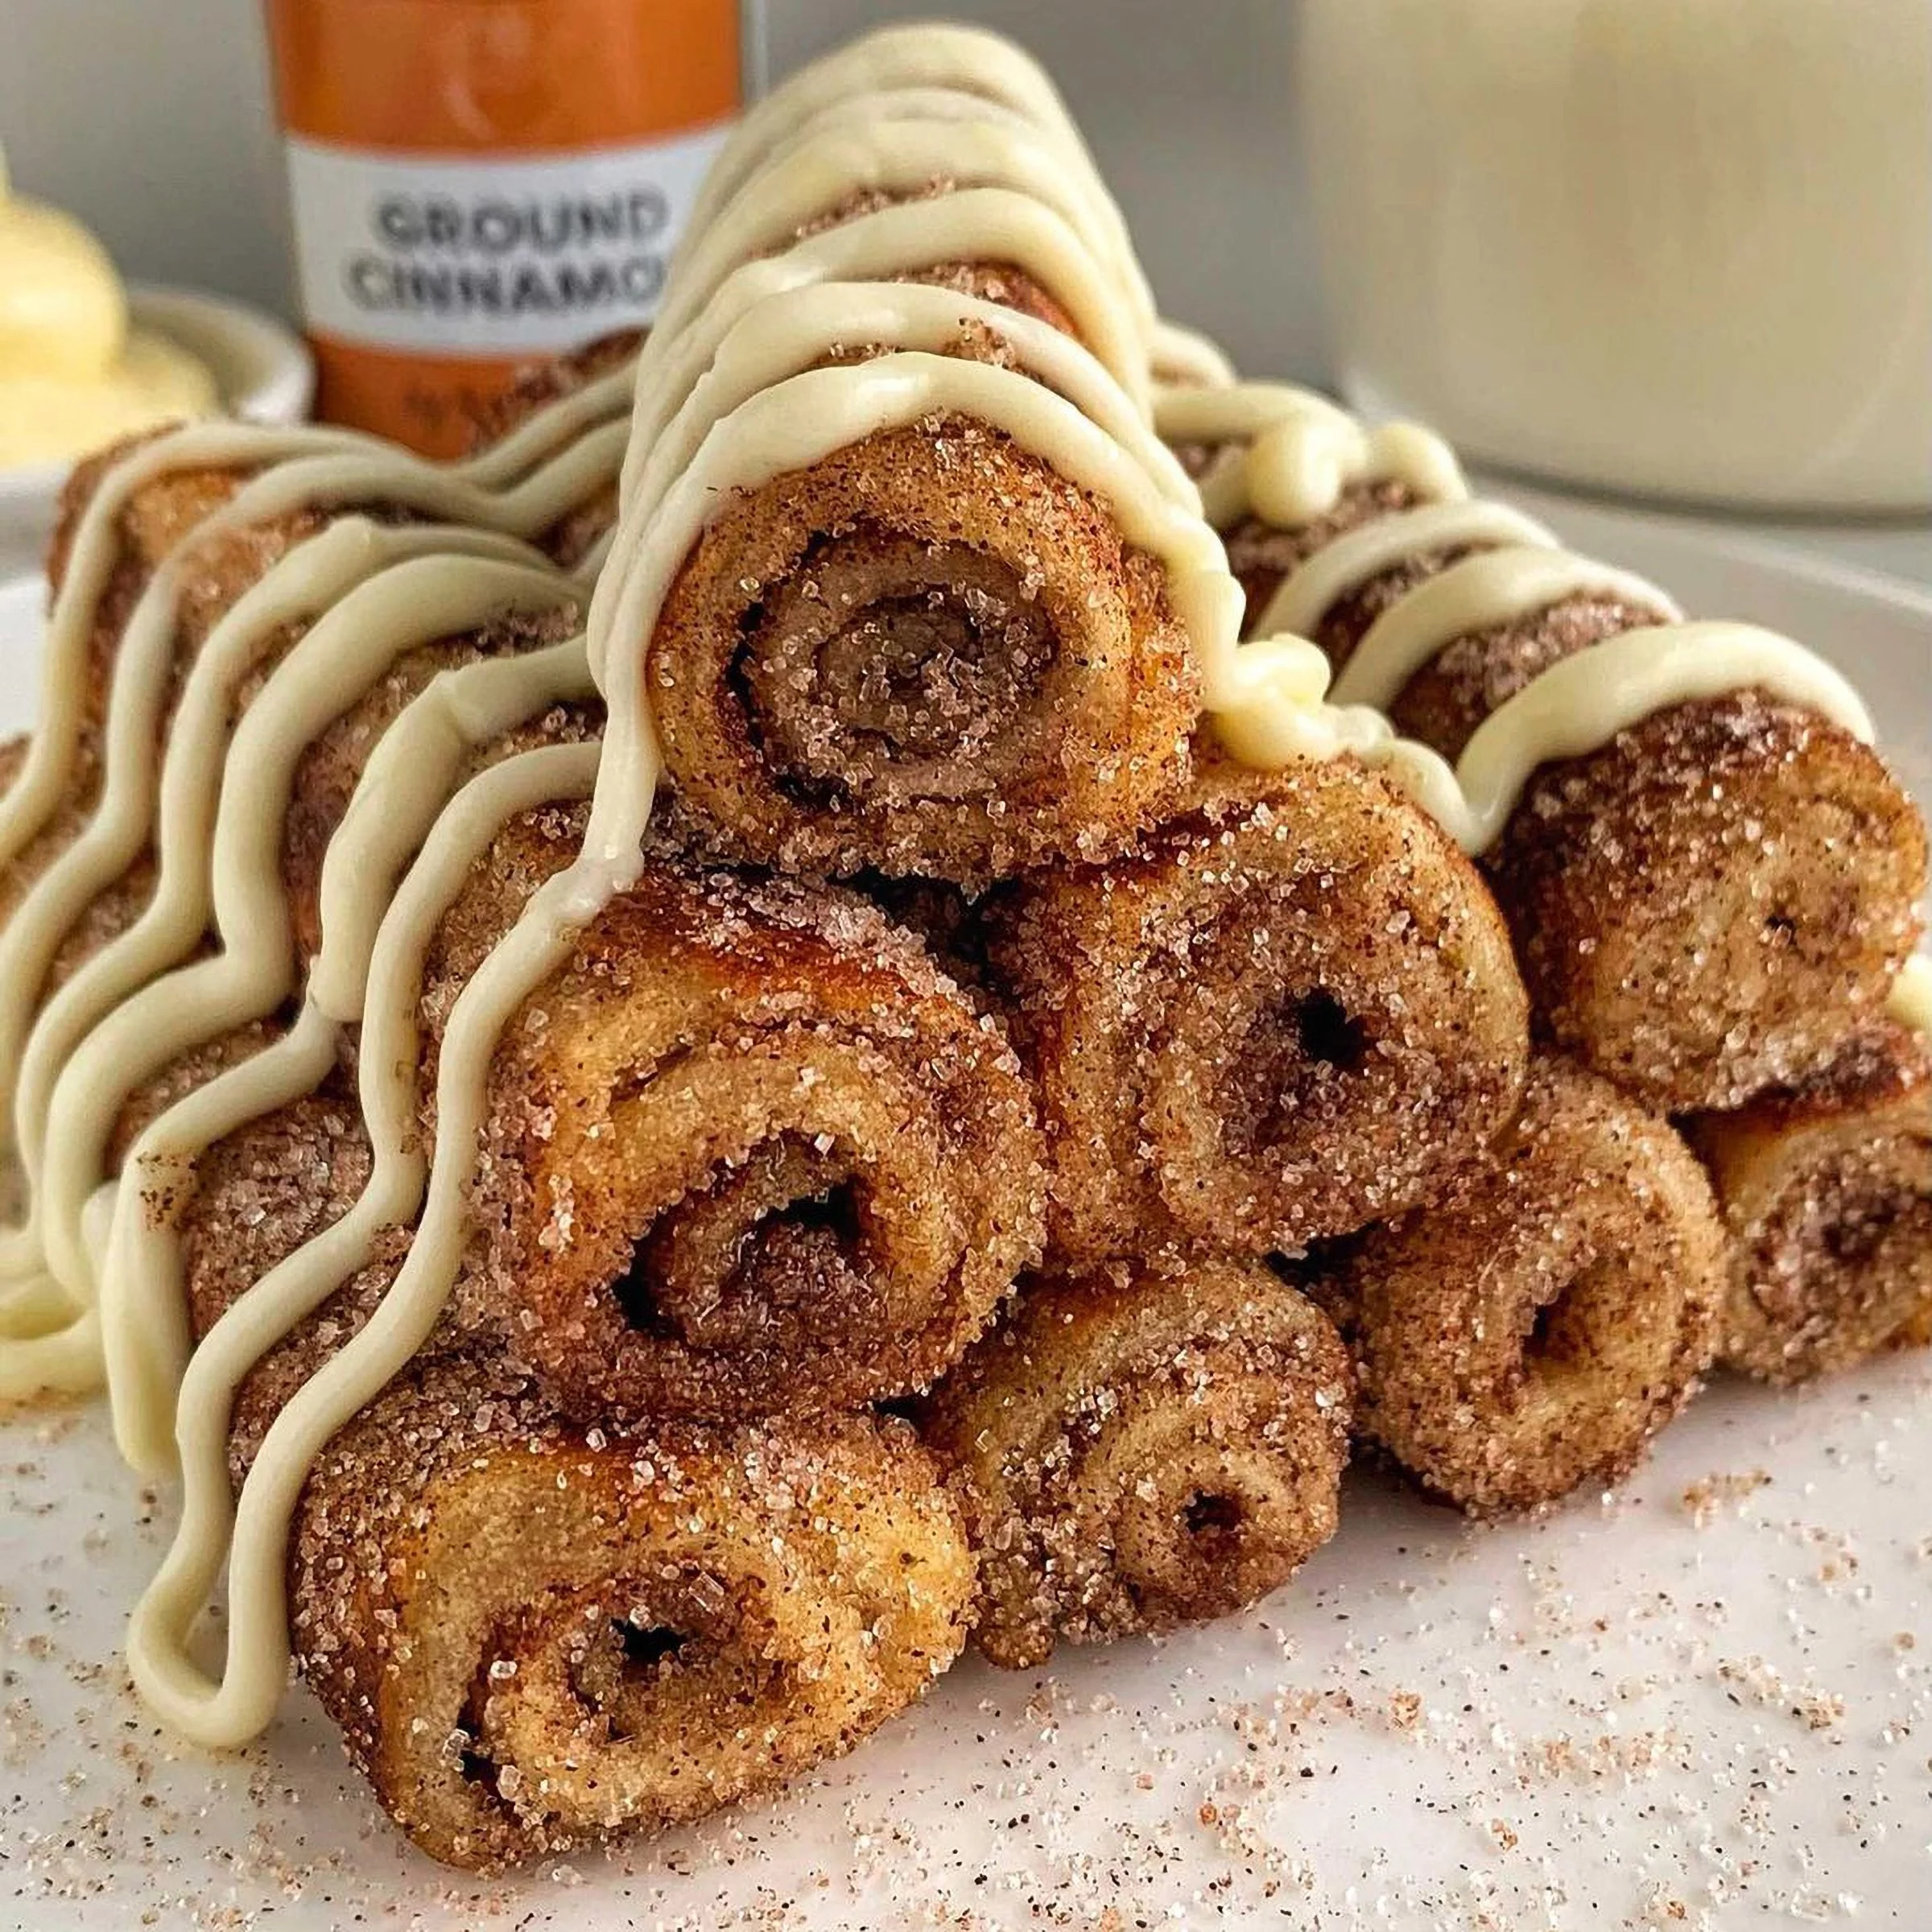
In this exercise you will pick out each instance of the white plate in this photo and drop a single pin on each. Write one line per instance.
(1706, 1702)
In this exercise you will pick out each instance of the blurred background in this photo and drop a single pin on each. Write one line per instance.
(180, 173)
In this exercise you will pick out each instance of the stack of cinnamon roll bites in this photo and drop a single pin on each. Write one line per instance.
(874, 983)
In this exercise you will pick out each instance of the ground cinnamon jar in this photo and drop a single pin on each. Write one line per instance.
(477, 184)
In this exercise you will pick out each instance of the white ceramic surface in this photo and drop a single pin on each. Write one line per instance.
(1706, 1703)
(262, 371)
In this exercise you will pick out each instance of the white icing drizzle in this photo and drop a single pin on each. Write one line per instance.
(1070, 164)
(142, 1313)
(1306, 594)
(927, 57)
(975, 225)
(1911, 1002)
(826, 166)
(1184, 358)
(1491, 588)
(318, 577)
(410, 604)
(524, 484)
(403, 791)
(733, 389)
(1575, 708)
(1293, 454)
(726, 402)
(231, 1708)
(236, 877)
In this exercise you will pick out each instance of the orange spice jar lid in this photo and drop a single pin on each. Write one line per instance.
(476, 184)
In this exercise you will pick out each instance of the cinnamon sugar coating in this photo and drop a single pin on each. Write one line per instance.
(1710, 905)
(156, 518)
(549, 379)
(749, 1150)
(929, 654)
(325, 779)
(1144, 1447)
(215, 570)
(65, 826)
(260, 1194)
(1712, 902)
(534, 1636)
(150, 1098)
(1827, 1190)
(1532, 1332)
(1262, 556)
(1292, 1012)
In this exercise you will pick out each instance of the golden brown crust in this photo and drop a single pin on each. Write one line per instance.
(750, 1150)
(1533, 1332)
(1293, 1012)
(930, 653)
(1709, 905)
(1142, 1448)
(1827, 1189)
(534, 1636)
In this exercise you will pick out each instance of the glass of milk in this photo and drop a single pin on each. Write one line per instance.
(1677, 247)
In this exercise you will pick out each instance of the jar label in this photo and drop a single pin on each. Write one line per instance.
(497, 255)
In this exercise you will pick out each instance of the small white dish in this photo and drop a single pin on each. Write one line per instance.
(262, 369)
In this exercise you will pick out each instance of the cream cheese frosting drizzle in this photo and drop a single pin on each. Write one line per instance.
(316, 577)
(879, 247)
(929, 57)
(239, 888)
(413, 603)
(732, 398)
(1290, 458)
(770, 359)
(522, 485)
(1911, 1002)
(1184, 358)
(1491, 587)
(1290, 453)
(233, 1707)
(406, 785)
(1070, 163)
(1064, 398)
(825, 169)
